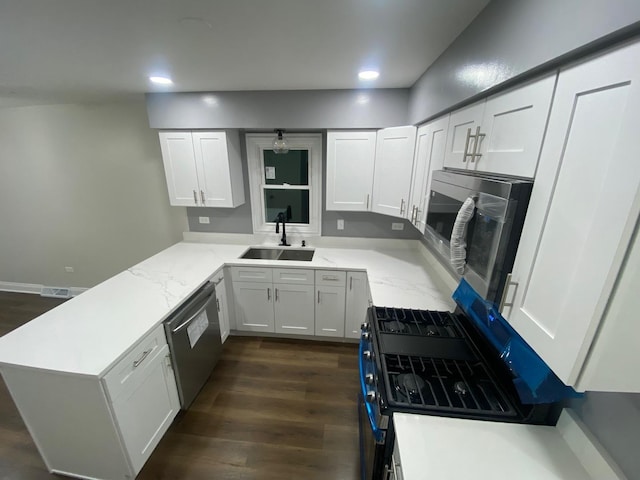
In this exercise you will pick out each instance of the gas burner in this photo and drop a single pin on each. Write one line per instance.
(410, 385)
(394, 326)
(460, 388)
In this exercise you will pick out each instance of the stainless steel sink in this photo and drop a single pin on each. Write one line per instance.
(278, 254)
(299, 255)
(262, 253)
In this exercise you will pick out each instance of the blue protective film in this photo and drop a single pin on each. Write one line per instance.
(535, 382)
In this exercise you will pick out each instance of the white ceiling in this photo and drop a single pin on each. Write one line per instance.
(75, 50)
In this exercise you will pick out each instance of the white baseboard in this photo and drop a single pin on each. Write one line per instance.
(35, 288)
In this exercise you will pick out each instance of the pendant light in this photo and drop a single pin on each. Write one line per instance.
(280, 144)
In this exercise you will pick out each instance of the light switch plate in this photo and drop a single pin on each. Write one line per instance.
(340, 224)
(204, 220)
(397, 226)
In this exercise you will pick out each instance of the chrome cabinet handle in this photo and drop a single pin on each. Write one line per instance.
(318, 296)
(350, 283)
(476, 144)
(144, 355)
(401, 206)
(218, 304)
(195, 197)
(466, 145)
(268, 294)
(367, 201)
(276, 294)
(330, 278)
(202, 197)
(503, 300)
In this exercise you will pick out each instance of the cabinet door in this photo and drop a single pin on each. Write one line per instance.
(330, 309)
(254, 306)
(514, 124)
(393, 168)
(430, 146)
(294, 309)
(582, 211)
(350, 161)
(145, 411)
(223, 309)
(180, 168)
(357, 302)
(212, 161)
(461, 123)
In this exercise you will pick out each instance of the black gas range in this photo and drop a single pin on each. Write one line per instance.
(434, 363)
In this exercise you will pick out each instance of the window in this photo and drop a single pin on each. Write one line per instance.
(287, 183)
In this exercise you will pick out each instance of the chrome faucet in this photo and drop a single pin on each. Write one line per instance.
(281, 218)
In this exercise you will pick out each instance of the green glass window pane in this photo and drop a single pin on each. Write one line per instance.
(291, 167)
(296, 202)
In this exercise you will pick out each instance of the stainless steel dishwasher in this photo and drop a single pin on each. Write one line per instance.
(193, 333)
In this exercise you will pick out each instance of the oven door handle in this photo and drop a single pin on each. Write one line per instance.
(377, 433)
(458, 243)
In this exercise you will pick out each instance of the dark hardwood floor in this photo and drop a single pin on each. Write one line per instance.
(273, 409)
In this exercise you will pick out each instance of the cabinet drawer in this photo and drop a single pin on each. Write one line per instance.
(334, 278)
(251, 274)
(294, 276)
(129, 370)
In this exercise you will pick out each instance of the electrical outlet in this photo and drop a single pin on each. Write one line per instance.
(203, 219)
(340, 224)
(397, 226)
(68, 269)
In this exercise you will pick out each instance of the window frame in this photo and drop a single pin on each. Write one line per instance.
(257, 143)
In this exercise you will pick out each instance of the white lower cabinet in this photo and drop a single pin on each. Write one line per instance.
(293, 309)
(222, 307)
(99, 427)
(254, 306)
(582, 214)
(145, 409)
(330, 303)
(357, 302)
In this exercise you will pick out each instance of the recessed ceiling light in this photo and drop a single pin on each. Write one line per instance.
(161, 80)
(368, 75)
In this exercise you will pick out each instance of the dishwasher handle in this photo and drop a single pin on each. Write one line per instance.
(200, 301)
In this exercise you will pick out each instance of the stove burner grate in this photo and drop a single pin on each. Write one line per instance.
(417, 322)
(444, 385)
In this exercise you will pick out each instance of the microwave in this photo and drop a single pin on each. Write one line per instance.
(474, 224)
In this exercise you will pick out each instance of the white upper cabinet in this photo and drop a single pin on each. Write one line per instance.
(502, 134)
(583, 211)
(429, 156)
(203, 169)
(350, 162)
(514, 124)
(462, 123)
(393, 169)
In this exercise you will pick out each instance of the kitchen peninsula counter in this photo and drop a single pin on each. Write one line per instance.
(88, 334)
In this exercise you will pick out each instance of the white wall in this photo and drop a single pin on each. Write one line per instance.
(81, 186)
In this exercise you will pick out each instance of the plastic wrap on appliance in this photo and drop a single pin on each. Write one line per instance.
(535, 382)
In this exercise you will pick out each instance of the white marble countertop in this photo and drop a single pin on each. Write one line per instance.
(89, 333)
(459, 449)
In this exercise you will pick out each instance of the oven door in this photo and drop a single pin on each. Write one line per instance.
(372, 436)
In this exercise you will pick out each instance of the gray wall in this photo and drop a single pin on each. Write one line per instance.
(356, 224)
(291, 109)
(614, 419)
(511, 37)
(81, 186)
